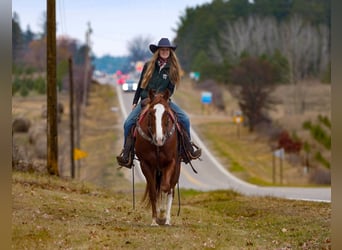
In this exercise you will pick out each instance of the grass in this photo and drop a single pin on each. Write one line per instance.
(248, 155)
(54, 213)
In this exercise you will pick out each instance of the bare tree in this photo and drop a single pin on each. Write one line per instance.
(300, 43)
(255, 35)
(324, 34)
(305, 46)
(36, 54)
(138, 48)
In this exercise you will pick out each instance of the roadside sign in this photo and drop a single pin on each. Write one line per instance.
(195, 75)
(79, 154)
(238, 119)
(279, 153)
(206, 97)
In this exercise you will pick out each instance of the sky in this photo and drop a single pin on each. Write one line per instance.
(113, 22)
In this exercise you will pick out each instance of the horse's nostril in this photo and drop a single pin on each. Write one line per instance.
(160, 142)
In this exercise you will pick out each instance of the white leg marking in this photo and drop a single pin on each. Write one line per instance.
(154, 223)
(168, 209)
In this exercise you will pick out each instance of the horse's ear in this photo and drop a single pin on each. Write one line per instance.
(151, 94)
(166, 94)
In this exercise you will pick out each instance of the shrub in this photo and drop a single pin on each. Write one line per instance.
(21, 124)
(290, 145)
(15, 86)
(40, 85)
(320, 176)
(24, 91)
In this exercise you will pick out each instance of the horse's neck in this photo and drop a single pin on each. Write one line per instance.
(143, 114)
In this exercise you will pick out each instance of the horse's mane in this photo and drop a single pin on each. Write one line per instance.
(161, 97)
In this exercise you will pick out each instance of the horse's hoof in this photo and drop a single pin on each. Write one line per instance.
(154, 223)
(161, 221)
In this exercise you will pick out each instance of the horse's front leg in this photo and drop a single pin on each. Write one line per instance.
(154, 211)
(168, 208)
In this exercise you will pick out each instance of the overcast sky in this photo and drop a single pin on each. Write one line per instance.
(114, 22)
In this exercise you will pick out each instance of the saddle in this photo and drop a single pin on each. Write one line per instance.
(183, 139)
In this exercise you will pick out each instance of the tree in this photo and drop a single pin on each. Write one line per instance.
(28, 36)
(256, 29)
(255, 35)
(17, 37)
(43, 24)
(35, 56)
(138, 48)
(290, 145)
(254, 79)
(320, 132)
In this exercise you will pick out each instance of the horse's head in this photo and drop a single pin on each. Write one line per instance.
(159, 117)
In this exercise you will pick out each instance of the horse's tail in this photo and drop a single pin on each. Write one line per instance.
(154, 185)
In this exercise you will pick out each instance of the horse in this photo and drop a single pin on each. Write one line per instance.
(156, 147)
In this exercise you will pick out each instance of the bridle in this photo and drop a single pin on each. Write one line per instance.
(150, 136)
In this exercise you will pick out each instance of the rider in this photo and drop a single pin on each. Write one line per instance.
(160, 73)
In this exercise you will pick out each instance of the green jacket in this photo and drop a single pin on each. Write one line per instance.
(159, 82)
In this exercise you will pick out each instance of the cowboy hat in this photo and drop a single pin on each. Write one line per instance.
(163, 43)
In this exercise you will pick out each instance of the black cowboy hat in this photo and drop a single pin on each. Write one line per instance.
(163, 43)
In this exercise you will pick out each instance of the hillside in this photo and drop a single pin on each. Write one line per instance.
(249, 155)
(57, 213)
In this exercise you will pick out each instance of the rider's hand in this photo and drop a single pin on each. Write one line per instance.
(133, 106)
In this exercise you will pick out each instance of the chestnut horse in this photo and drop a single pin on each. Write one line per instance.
(156, 147)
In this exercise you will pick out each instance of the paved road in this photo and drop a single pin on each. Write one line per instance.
(213, 176)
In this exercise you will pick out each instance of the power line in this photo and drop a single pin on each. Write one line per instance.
(62, 17)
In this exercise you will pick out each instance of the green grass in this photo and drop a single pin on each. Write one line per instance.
(247, 156)
(52, 213)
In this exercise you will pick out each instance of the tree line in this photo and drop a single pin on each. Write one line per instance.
(251, 46)
(29, 60)
(212, 38)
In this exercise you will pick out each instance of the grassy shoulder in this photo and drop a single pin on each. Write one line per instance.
(246, 155)
(55, 213)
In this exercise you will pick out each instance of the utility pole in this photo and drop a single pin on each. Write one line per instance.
(82, 97)
(52, 133)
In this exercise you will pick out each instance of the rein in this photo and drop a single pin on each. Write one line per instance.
(151, 138)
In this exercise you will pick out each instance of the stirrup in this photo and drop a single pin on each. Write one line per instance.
(121, 161)
(195, 153)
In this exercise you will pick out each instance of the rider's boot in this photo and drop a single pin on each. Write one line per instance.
(125, 159)
(192, 150)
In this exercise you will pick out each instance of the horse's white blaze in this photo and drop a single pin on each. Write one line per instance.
(159, 129)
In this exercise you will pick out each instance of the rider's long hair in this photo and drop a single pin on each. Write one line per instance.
(175, 69)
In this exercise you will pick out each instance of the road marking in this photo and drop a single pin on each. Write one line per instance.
(192, 179)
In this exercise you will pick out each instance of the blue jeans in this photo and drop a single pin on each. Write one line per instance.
(133, 116)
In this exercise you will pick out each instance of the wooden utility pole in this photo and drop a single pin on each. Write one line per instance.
(273, 168)
(71, 93)
(52, 133)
